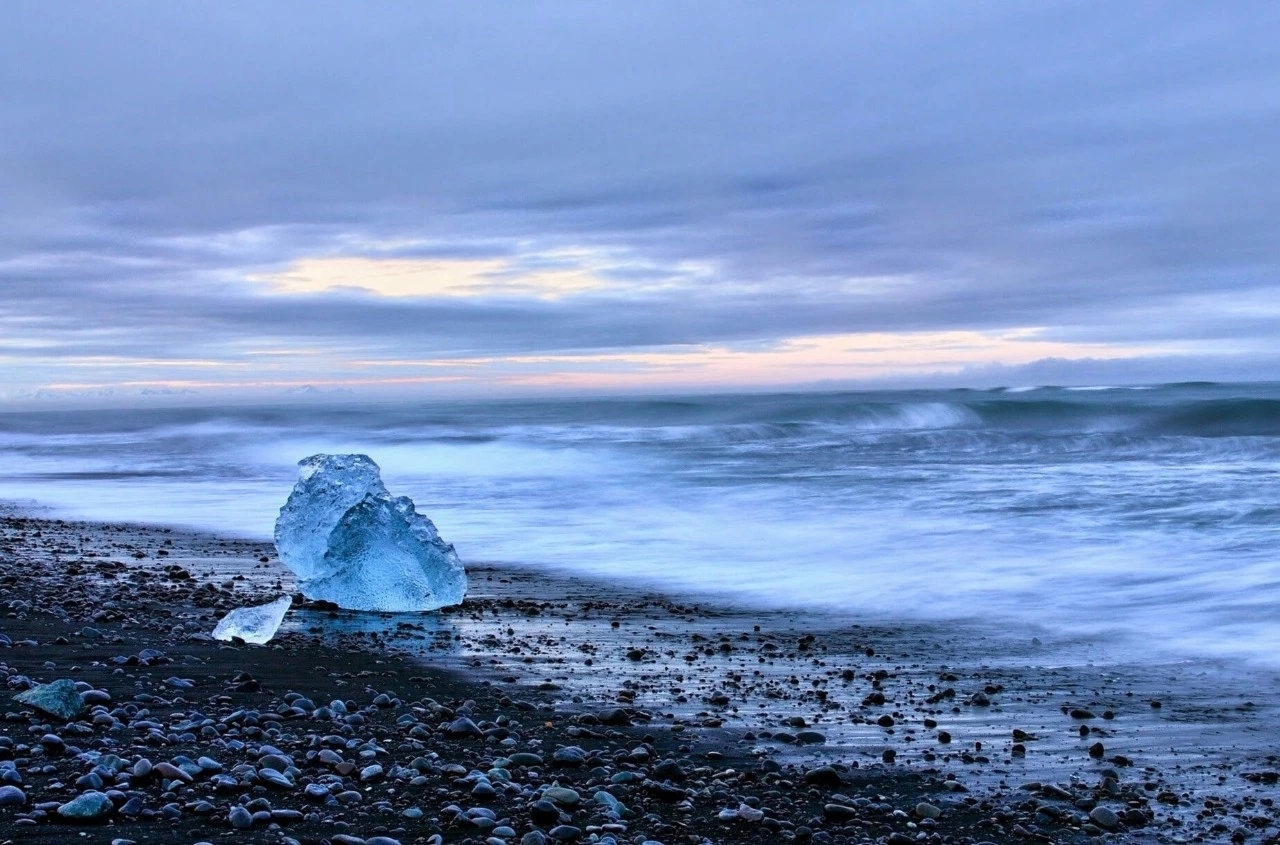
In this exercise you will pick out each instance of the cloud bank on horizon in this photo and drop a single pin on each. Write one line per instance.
(488, 196)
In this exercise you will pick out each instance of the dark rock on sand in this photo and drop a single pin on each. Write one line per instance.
(59, 699)
(1104, 818)
(839, 812)
(822, 776)
(87, 807)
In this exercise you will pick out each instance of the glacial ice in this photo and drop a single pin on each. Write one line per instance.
(257, 624)
(350, 542)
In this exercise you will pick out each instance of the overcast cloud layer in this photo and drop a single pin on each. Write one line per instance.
(1098, 178)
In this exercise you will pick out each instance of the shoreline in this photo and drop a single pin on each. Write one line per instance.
(709, 689)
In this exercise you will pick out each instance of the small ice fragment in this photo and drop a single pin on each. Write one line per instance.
(257, 624)
(351, 543)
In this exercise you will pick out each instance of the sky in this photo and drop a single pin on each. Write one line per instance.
(241, 198)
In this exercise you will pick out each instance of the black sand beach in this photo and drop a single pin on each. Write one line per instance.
(550, 708)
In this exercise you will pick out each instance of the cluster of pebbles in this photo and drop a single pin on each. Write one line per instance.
(555, 722)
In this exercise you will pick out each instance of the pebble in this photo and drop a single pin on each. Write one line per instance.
(11, 796)
(240, 818)
(271, 777)
(544, 813)
(565, 833)
(1104, 818)
(569, 755)
(463, 727)
(562, 795)
(822, 776)
(925, 810)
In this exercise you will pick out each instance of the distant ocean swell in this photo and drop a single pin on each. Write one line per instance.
(1152, 514)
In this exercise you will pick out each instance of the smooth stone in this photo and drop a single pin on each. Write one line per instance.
(534, 837)
(240, 818)
(134, 806)
(569, 755)
(95, 696)
(822, 776)
(273, 778)
(277, 762)
(463, 727)
(171, 772)
(839, 812)
(565, 833)
(544, 813)
(1104, 818)
(562, 795)
(11, 796)
(925, 810)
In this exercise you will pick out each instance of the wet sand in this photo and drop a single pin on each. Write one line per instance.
(818, 728)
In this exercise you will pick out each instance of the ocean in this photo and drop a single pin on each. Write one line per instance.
(1144, 518)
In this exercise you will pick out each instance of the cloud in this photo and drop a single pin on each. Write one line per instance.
(187, 183)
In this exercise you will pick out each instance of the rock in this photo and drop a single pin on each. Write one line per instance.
(810, 738)
(463, 727)
(534, 837)
(565, 833)
(839, 812)
(822, 776)
(171, 772)
(925, 810)
(563, 796)
(272, 778)
(669, 770)
(614, 716)
(1104, 818)
(240, 818)
(569, 755)
(87, 807)
(544, 813)
(59, 699)
(11, 796)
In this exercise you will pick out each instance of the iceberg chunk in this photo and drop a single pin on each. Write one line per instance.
(257, 624)
(351, 543)
(329, 486)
